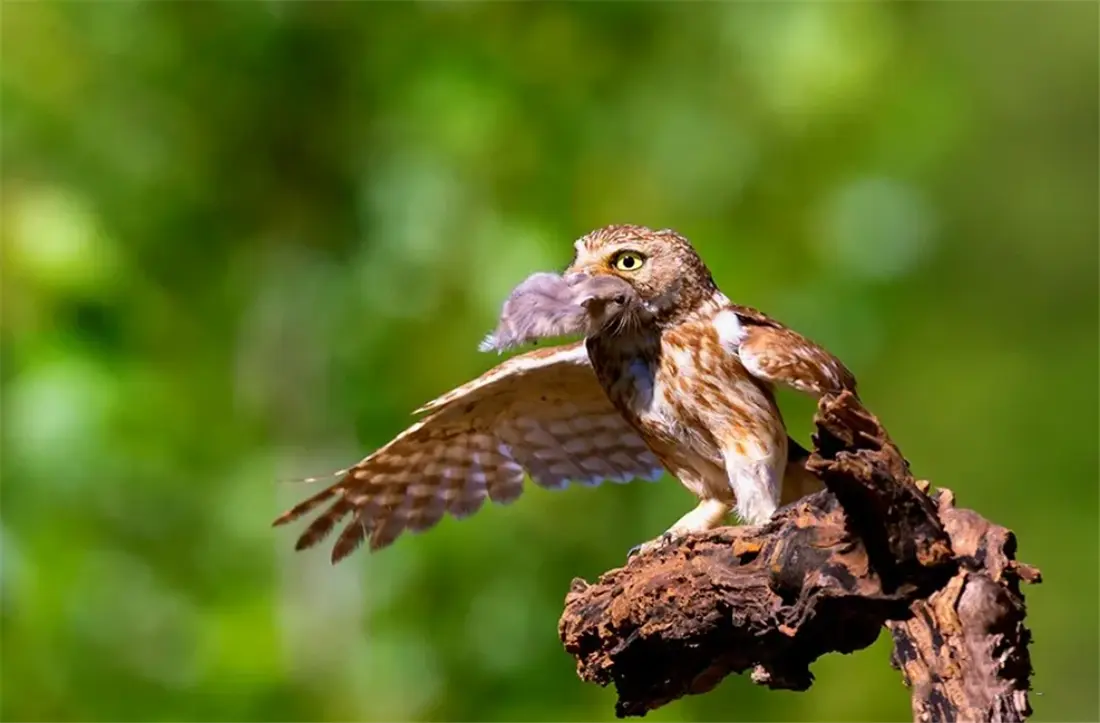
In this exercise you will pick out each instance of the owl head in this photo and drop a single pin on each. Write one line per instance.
(660, 266)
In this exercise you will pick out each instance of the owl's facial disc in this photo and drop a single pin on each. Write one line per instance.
(662, 268)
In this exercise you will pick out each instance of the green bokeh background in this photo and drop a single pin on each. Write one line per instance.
(242, 241)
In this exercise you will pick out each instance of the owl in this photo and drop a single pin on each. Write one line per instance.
(687, 387)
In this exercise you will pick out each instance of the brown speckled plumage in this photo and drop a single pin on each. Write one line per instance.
(685, 386)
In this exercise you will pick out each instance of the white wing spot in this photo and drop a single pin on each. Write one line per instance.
(729, 328)
(751, 362)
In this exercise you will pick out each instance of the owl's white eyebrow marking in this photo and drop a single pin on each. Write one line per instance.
(578, 247)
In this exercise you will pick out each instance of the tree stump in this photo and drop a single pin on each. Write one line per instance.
(872, 549)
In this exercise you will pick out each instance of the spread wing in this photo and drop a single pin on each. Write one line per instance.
(772, 352)
(543, 413)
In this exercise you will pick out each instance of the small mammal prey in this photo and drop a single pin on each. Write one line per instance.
(546, 305)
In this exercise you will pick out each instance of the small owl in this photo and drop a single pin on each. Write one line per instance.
(670, 376)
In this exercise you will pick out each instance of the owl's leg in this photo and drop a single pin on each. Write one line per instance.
(707, 515)
(757, 483)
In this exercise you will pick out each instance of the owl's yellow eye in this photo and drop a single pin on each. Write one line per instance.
(628, 261)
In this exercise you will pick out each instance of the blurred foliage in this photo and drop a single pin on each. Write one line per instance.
(242, 241)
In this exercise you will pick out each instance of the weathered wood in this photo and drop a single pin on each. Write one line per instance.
(824, 575)
(964, 649)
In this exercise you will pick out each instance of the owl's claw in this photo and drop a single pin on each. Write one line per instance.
(666, 539)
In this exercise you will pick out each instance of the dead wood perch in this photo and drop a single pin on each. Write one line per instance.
(825, 575)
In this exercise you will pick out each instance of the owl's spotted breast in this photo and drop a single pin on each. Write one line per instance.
(690, 400)
(713, 387)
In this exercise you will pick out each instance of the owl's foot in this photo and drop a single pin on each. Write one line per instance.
(707, 515)
(667, 539)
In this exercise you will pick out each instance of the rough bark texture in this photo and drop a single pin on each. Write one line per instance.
(825, 575)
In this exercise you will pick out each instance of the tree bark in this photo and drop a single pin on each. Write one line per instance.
(872, 549)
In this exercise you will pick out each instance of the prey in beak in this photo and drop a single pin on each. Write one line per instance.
(547, 305)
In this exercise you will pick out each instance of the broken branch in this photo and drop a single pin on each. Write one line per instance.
(824, 575)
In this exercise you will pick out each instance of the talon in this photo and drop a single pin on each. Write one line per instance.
(666, 539)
